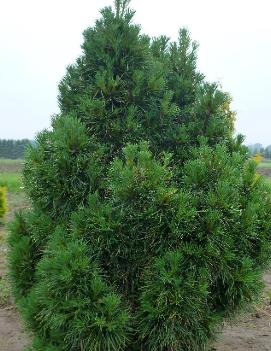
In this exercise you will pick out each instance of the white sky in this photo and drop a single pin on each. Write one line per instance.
(39, 38)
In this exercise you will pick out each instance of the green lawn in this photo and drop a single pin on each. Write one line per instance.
(10, 174)
(265, 164)
(13, 181)
(7, 161)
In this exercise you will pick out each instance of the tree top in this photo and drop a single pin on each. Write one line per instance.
(121, 7)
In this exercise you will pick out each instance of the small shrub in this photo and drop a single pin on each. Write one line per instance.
(3, 201)
(258, 158)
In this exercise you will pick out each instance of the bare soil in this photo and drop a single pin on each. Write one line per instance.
(264, 171)
(14, 166)
(249, 333)
(12, 334)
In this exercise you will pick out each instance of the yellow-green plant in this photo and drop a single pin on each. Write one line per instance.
(3, 201)
(258, 158)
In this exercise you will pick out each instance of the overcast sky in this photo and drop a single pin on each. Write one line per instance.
(39, 38)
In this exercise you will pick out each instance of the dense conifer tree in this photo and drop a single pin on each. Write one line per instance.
(149, 226)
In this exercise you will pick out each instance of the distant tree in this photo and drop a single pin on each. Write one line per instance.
(267, 152)
(13, 149)
(149, 225)
(258, 148)
(255, 148)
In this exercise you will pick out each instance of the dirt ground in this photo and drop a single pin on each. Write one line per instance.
(249, 333)
(12, 335)
(265, 171)
(252, 332)
(11, 166)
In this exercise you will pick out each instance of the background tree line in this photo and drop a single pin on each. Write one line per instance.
(260, 149)
(13, 149)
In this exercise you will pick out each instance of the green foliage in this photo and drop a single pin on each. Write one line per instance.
(27, 241)
(3, 201)
(90, 311)
(176, 295)
(260, 149)
(149, 224)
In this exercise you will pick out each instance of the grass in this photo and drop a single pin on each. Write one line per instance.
(5, 291)
(16, 200)
(265, 164)
(11, 178)
(10, 166)
(10, 174)
(7, 161)
(12, 181)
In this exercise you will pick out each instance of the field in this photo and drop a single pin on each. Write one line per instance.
(10, 166)
(265, 168)
(250, 332)
(10, 174)
(265, 164)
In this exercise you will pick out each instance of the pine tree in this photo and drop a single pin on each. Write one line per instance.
(149, 225)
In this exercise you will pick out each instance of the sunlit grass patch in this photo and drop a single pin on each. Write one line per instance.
(265, 164)
(12, 181)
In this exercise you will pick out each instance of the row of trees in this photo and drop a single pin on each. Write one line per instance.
(260, 149)
(13, 149)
